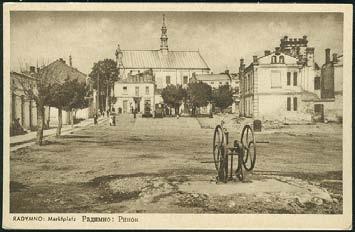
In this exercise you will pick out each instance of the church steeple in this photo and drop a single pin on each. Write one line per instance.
(164, 37)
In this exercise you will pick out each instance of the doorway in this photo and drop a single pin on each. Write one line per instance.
(319, 112)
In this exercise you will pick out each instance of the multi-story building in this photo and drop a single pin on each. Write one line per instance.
(280, 84)
(136, 92)
(168, 67)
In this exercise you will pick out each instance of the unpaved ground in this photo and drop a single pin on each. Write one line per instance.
(164, 165)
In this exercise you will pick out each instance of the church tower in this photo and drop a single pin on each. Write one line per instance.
(164, 38)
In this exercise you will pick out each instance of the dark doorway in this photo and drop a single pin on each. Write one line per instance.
(319, 112)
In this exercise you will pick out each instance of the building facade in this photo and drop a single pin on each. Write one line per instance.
(24, 109)
(135, 93)
(168, 67)
(280, 84)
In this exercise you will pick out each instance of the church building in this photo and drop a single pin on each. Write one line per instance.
(168, 68)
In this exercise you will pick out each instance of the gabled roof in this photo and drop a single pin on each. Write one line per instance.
(60, 71)
(144, 59)
(213, 77)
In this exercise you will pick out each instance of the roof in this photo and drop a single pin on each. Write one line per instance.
(22, 75)
(145, 59)
(213, 77)
(139, 78)
(60, 70)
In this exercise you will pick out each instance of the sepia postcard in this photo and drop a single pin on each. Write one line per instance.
(177, 116)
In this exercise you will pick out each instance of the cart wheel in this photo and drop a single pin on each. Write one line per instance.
(248, 148)
(218, 142)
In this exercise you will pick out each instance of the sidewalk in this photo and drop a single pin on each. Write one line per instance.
(30, 138)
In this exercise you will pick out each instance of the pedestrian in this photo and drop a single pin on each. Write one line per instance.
(95, 119)
(111, 120)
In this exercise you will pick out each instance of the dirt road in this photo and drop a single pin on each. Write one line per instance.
(164, 166)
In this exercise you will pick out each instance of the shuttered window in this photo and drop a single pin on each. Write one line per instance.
(295, 103)
(288, 78)
(288, 104)
(294, 79)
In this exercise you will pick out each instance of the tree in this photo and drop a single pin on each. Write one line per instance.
(104, 73)
(59, 100)
(222, 96)
(39, 89)
(173, 96)
(76, 92)
(199, 94)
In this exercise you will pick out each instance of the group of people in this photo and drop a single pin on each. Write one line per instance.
(112, 117)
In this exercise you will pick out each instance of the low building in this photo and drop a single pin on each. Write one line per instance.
(24, 109)
(135, 93)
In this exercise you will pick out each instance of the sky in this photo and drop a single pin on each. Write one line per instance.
(221, 37)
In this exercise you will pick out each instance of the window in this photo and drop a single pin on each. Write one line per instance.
(185, 80)
(124, 89)
(294, 79)
(168, 80)
(137, 90)
(288, 78)
(316, 83)
(295, 103)
(288, 104)
(273, 59)
(147, 90)
(227, 83)
(220, 83)
(281, 59)
(212, 82)
(275, 80)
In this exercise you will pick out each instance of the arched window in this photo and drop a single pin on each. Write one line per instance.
(273, 59)
(282, 59)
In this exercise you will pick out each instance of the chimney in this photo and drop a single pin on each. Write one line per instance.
(327, 55)
(277, 50)
(255, 59)
(70, 61)
(267, 52)
(335, 58)
(226, 72)
(241, 62)
(32, 69)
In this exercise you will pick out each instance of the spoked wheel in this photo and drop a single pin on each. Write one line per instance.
(218, 141)
(248, 148)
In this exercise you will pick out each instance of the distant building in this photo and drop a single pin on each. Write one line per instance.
(330, 106)
(136, 92)
(213, 80)
(168, 67)
(280, 84)
(217, 80)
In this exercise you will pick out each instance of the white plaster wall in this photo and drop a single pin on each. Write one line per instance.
(264, 80)
(274, 107)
